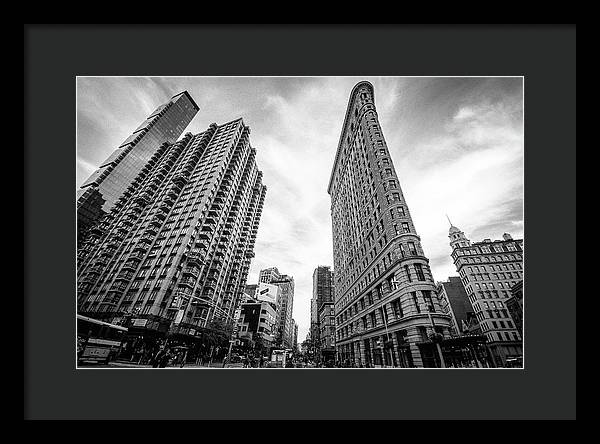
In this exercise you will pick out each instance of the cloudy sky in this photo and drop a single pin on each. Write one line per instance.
(456, 143)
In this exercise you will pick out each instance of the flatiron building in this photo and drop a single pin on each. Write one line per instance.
(386, 307)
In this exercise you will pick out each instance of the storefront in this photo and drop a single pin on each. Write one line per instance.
(466, 352)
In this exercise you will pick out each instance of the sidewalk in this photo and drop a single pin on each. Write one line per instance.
(127, 364)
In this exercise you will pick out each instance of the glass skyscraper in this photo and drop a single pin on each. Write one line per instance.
(107, 184)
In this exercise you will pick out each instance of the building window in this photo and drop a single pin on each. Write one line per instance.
(416, 301)
(412, 248)
(429, 300)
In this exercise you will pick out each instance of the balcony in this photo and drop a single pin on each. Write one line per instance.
(187, 282)
(203, 235)
(151, 230)
(137, 255)
(127, 222)
(90, 278)
(210, 285)
(141, 201)
(156, 222)
(194, 258)
(173, 192)
(97, 230)
(147, 239)
(163, 210)
(180, 179)
(140, 247)
(217, 262)
(190, 271)
(124, 277)
(129, 266)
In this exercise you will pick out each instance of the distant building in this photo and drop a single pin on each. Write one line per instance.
(314, 322)
(327, 332)
(268, 274)
(285, 304)
(466, 346)
(250, 289)
(322, 315)
(256, 323)
(295, 339)
(455, 302)
(515, 305)
(488, 269)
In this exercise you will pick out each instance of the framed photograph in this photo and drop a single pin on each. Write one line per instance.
(323, 221)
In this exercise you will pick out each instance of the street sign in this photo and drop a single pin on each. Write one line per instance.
(139, 322)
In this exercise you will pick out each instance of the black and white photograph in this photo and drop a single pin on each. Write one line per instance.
(300, 222)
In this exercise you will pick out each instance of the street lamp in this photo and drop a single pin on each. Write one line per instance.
(436, 338)
(212, 305)
(387, 333)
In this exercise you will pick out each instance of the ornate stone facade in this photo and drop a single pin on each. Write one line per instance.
(385, 296)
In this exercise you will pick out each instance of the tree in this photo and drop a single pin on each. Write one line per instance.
(217, 333)
(259, 344)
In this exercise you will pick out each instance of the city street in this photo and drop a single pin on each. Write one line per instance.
(123, 364)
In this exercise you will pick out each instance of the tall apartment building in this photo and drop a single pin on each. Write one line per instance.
(324, 319)
(99, 193)
(285, 303)
(173, 253)
(386, 308)
(488, 270)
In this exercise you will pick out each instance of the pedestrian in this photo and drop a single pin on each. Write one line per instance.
(183, 358)
(164, 360)
(158, 357)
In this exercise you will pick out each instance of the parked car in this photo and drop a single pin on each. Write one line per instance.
(234, 365)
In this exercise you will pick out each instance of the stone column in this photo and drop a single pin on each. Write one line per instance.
(395, 349)
(412, 337)
(360, 352)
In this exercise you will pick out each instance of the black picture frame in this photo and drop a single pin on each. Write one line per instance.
(55, 54)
